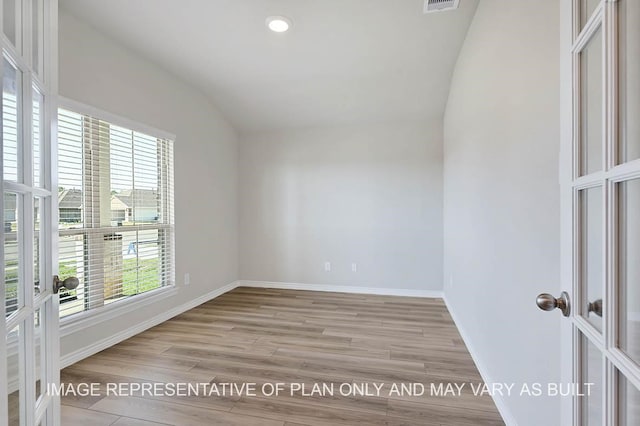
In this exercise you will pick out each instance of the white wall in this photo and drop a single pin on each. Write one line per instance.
(370, 195)
(96, 71)
(501, 197)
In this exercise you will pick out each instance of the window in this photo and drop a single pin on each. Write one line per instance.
(115, 200)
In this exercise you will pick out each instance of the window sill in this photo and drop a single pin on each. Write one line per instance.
(86, 319)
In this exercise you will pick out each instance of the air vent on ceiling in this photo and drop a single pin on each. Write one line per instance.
(431, 6)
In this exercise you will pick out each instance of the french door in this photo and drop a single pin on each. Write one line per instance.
(600, 174)
(29, 341)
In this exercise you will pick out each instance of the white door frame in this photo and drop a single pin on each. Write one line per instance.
(39, 74)
(615, 362)
(566, 200)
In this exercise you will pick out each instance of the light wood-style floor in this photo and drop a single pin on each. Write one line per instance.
(261, 335)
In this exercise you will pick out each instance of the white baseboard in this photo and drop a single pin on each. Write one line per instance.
(343, 289)
(501, 404)
(633, 316)
(103, 344)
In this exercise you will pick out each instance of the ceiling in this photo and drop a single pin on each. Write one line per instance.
(343, 61)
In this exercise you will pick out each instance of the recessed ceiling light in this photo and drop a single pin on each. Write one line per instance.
(278, 24)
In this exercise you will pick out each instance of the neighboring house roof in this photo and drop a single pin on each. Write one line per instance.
(70, 199)
(141, 198)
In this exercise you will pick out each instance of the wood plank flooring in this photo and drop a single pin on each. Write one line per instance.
(301, 337)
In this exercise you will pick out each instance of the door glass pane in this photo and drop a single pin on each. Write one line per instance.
(628, 403)
(592, 382)
(11, 105)
(40, 356)
(629, 80)
(591, 254)
(628, 194)
(13, 294)
(36, 34)
(14, 408)
(13, 369)
(38, 247)
(587, 7)
(37, 122)
(591, 93)
(9, 19)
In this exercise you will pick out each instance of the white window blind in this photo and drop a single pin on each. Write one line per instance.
(115, 200)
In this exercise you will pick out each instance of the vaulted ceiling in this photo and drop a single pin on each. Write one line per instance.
(343, 61)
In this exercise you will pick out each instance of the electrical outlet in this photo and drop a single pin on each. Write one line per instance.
(187, 279)
(354, 267)
(327, 266)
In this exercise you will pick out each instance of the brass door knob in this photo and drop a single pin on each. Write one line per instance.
(68, 284)
(547, 302)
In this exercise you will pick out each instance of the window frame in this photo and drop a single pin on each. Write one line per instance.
(89, 317)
